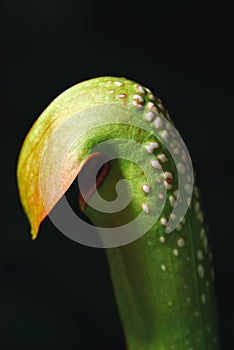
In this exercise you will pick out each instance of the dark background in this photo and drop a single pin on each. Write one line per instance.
(54, 293)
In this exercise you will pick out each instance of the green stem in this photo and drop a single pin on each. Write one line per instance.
(164, 283)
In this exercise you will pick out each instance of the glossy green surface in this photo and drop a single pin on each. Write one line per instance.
(163, 282)
(165, 291)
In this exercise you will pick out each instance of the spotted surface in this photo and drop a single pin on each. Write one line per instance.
(178, 262)
(164, 282)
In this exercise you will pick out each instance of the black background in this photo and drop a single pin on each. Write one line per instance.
(56, 294)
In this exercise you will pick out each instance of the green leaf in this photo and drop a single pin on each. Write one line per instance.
(163, 281)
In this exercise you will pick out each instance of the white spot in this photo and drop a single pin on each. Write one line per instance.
(162, 239)
(111, 91)
(181, 168)
(173, 217)
(197, 207)
(196, 191)
(215, 340)
(140, 89)
(179, 227)
(152, 147)
(138, 105)
(203, 298)
(202, 233)
(172, 201)
(155, 164)
(188, 300)
(138, 98)
(169, 126)
(145, 188)
(175, 252)
(122, 95)
(145, 208)
(169, 303)
(189, 178)
(152, 106)
(152, 97)
(163, 157)
(160, 105)
(158, 123)
(168, 175)
(201, 271)
(160, 196)
(172, 144)
(196, 313)
(181, 242)
(200, 255)
(118, 83)
(163, 221)
(167, 185)
(200, 216)
(150, 116)
(188, 188)
(176, 150)
(205, 243)
(165, 135)
(163, 268)
(184, 157)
